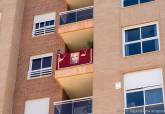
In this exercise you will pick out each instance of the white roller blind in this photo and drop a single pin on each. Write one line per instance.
(39, 106)
(44, 17)
(143, 79)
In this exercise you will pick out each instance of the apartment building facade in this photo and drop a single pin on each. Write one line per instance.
(82, 56)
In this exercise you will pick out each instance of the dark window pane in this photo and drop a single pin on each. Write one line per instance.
(52, 22)
(155, 109)
(37, 25)
(71, 17)
(132, 49)
(130, 2)
(135, 99)
(132, 35)
(36, 64)
(47, 23)
(144, 1)
(135, 111)
(47, 61)
(57, 110)
(149, 31)
(154, 96)
(63, 19)
(149, 46)
(42, 24)
(63, 108)
(84, 14)
(83, 107)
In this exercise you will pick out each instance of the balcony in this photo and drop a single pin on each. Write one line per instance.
(76, 28)
(73, 67)
(74, 4)
(73, 59)
(76, 106)
(76, 15)
(75, 20)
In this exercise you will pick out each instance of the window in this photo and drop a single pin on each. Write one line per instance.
(44, 24)
(40, 66)
(141, 39)
(145, 101)
(37, 106)
(134, 2)
(144, 92)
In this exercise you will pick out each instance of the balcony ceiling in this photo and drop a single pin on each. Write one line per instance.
(78, 40)
(77, 86)
(74, 4)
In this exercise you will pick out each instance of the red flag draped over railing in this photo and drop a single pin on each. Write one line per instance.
(72, 59)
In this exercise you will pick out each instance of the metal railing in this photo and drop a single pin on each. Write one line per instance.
(76, 15)
(40, 72)
(75, 106)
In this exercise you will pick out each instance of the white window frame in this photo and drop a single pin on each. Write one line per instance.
(143, 90)
(141, 40)
(44, 18)
(149, 87)
(42, 69)
(122, 3)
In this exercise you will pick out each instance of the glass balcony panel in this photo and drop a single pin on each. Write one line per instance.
(76, 15)
(83, 107)
(68, 18)
(84, 14)
(64, 108)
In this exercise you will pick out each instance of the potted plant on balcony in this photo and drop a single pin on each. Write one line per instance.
(90, 44)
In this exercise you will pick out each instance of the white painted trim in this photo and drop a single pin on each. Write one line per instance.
(140, 25)
(76, 10)
(73, 100)
(37, 57)
(141, 40)
(41, 56)
(38, 77)
(144, 106)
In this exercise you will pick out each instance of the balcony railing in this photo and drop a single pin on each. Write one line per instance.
(76, 15)
(77, 106)
(73, 59)
(40, 72)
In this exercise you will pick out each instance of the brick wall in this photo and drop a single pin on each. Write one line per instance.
(109, 63)
(41, 87)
